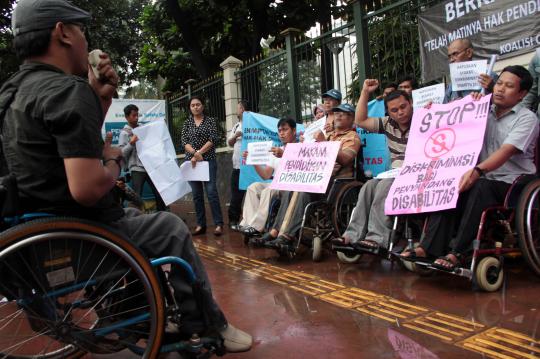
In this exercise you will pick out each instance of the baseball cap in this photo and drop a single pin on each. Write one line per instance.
(33, 15)
(344, 107)
(335, 94)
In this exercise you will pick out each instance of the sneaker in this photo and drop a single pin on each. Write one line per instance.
(236, 340)
(233, 226)
(250, 231)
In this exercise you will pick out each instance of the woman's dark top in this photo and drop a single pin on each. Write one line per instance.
(197, 136)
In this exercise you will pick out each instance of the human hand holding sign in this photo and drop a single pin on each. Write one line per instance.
(485, 81)
(277, 151)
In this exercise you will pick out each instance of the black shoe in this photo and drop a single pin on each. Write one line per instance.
(277, 243)
(250, 231)
(234, 226)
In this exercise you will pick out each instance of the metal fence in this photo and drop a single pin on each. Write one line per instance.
(212, 93)
(378, 39)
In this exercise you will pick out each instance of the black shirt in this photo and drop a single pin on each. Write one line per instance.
(53, 116)
(197, 136)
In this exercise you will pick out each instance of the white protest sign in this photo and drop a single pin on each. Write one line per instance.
(315, 127)
(424, 95)
(201, 172)
(464, 75)
(115, 120)
(156, 151)
(259, 153)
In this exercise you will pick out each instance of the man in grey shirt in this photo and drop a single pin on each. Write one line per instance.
(508, 152)
(126, 142)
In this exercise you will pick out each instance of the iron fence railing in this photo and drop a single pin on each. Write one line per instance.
(212, 93)
(386, 48)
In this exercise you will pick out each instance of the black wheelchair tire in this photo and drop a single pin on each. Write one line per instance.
(37, 231)
(351, 188)
(527, 241)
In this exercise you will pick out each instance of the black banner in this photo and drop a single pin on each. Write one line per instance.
(503, 27)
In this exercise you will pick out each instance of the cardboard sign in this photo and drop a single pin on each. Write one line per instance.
(259, 153)
(464, 75)
(444, 143)
(306, 167)
(424, 95)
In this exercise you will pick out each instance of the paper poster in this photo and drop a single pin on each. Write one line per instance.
(156, 151)
(313, 129)
(444, 143)
(306, 167)
(464, 75)
(424, 95)
(259, 153)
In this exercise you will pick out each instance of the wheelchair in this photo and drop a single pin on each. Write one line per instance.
(70, 286)
(328, 217)
(507, 231)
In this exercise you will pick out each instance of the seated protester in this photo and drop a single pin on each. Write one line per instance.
(461, 50)
(508, 152)
(533, 97)
(369, 227)
(343, 167)
(331, 99)
(407, 84)
(259, 194)
(53, 147)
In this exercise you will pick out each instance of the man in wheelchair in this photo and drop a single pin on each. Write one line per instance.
(369, 228)
(52, 111)
(507, 153)
(289, 220)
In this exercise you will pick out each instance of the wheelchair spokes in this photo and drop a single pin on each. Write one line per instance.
(70, 292)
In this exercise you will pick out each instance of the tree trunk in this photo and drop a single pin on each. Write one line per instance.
(189, 37)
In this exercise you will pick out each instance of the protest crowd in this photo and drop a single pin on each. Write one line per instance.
(52, 112)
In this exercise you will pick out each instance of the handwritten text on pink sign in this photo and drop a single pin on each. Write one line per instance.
(444, 142)
(306, 167)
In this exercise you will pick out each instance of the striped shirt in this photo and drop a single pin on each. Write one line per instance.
(396, 139)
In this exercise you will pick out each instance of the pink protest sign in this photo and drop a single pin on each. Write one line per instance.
(444, 143)
(306, 167)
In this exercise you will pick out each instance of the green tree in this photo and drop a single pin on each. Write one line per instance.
(189, 38)
(115, 28)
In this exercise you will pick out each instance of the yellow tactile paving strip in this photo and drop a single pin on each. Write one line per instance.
(492, 342)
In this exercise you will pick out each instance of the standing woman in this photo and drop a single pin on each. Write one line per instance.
(199, 136)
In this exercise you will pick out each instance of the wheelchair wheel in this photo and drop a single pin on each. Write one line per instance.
(72, 286)
(349, 259)
(488, 275)
(344, 205)
(528, 224)
(317, 249)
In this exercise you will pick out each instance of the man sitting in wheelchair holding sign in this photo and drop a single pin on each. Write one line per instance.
(507, 153)
(52, 111)
(369, 227)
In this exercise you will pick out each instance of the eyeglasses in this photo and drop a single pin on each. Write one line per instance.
(81, 26)
(456, 53)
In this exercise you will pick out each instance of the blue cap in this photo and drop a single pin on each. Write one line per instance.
(335, 94)
(344, 107)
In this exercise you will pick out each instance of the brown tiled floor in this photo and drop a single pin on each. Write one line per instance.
(289, 323)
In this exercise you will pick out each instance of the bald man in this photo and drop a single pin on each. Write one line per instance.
(461, 50)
